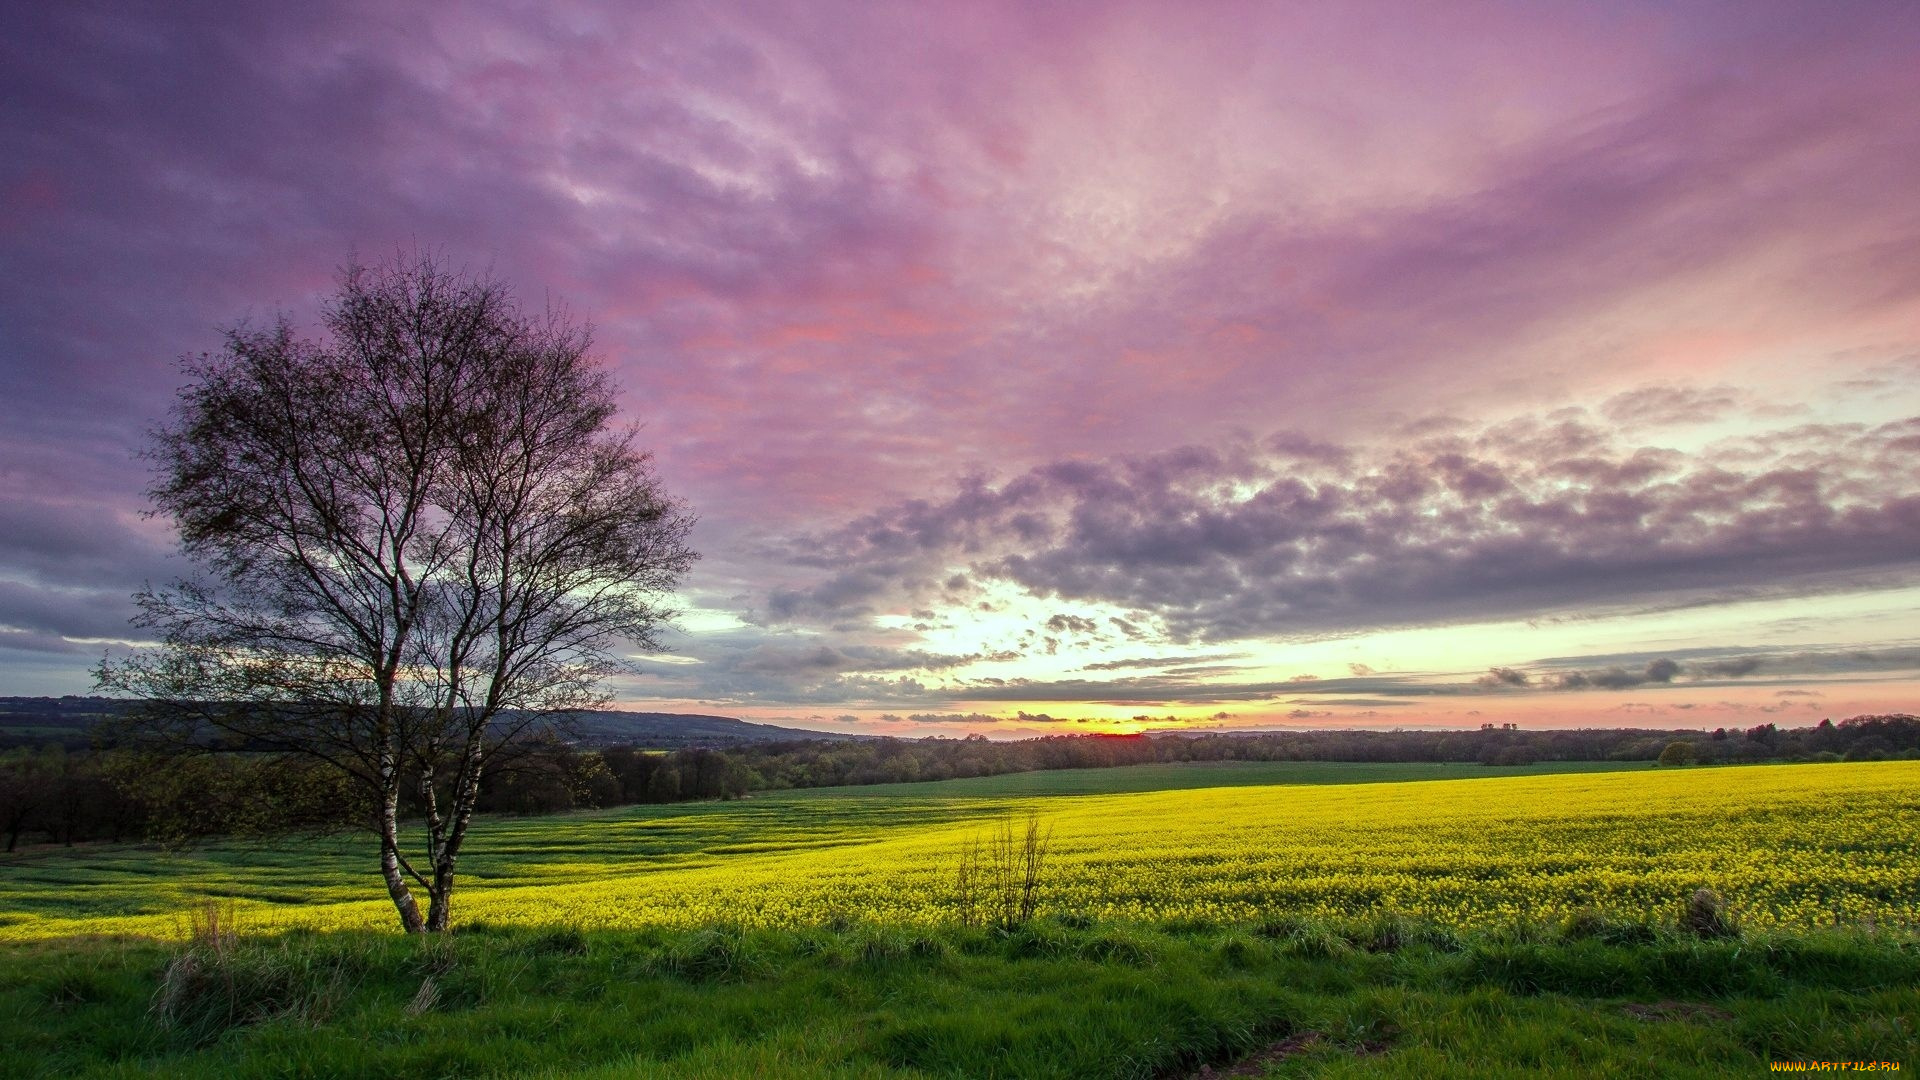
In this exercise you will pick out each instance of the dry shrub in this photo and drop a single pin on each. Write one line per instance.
(998, 883)
(1706, 916)
(219, 981)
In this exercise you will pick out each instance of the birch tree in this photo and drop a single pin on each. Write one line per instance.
(418, 540)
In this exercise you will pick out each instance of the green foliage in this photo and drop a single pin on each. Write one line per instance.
(1590, 924)
(1047, 1000)
(1678, 752)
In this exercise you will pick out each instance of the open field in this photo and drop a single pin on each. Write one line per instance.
(1509, 925)
(1181, 776)
(1789, 846)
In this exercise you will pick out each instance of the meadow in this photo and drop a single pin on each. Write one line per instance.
(1792, 846)
(1363, 920)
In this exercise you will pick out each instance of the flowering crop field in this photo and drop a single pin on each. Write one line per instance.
(1789, 846)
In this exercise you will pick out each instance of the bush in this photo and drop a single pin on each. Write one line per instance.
(207, 989)
(1706, 916)
(998, 883)
(1677, 753)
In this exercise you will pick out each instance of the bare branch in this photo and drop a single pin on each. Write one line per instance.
(421, 541)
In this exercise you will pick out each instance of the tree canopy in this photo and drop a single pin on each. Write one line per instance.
(420, 539)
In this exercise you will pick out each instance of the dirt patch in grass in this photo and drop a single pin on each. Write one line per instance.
(1256, 1063)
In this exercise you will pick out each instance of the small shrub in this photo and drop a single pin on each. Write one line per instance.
(876, 946)
(206, 989)
(998, 884)
(1706, 916)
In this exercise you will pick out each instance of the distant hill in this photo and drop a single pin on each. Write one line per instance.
(615, 727)
(31, 721)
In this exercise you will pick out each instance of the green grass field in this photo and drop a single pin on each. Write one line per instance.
(1309, 920)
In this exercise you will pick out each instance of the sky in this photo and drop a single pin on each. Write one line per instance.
(1049, 368)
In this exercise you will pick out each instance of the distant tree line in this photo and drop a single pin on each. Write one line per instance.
(54, 794)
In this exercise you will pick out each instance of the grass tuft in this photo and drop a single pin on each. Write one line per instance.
(715, 954)
(1706, 916)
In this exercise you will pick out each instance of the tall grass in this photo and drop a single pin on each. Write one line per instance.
(1053, 998)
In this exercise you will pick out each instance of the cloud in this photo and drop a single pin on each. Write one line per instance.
(835, 257)
(1062, 624)
(1659, 671)
(1163, 661)
(955, 718)
(1670, 406)
(1537, 515)
(772, 658)
(1715, 667)
(1729, 669)
(1503, 676)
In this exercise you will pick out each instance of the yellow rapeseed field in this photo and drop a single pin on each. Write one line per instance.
(1788, 846)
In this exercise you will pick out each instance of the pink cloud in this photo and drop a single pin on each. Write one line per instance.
(844, 254)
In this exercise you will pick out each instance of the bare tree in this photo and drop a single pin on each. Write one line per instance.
(998, 883)
(420, 541)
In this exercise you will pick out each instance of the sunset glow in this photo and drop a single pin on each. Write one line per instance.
(1037, 368)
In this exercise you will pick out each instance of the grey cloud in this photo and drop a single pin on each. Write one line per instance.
(955, 718)
(66, 612)
(1191, 690)
(1712, 666)
(1503, 676)
(781, 659)
(1161, 661)
(1535, 516)
(1061, 624)
(1617, 678)
(39, 641)
(1729, 669)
